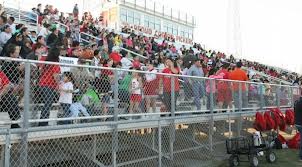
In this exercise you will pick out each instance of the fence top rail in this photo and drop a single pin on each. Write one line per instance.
(127, 70)
(265, 75)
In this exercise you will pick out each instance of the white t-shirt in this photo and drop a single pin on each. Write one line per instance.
(126, 63)
(151, 76)
(135, 87)
(65, 97)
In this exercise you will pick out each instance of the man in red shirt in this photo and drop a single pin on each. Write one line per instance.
(171, 68)
(8, 101)
(239, 75)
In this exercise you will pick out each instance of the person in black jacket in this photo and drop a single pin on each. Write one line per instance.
(298, 121)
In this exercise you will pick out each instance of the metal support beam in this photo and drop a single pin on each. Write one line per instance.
(24, 137)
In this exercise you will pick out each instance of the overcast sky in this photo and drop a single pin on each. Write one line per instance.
(270, 29)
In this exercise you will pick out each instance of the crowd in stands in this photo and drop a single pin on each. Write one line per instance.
(79, 89)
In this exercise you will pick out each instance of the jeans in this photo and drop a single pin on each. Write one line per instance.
(66, 112)
(244, 99)
(198, 93)
(9, 103)
(209, 101)
(48, 96)
(300, 131)
(167, 100)
(76, 109)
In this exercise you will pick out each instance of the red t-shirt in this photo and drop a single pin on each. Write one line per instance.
(47, 79)
(223, 85)
(3, 80)
(107, 72)
(167, 80)
(115, 57)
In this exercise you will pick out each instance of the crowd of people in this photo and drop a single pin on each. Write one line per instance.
(79, 90)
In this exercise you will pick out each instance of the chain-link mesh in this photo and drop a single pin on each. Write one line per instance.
(110, 95)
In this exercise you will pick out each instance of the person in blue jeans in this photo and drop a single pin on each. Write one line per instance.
(298, 121)
(48, 83)
(197, 84)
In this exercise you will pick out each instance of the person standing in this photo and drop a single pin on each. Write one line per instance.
(224, 93)
(298, 121)
(48, 83)
(171, 68)
(66, 89)
(239, 75)
(197, 83)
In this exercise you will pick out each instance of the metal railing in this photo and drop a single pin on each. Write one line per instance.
(117, 111)
(21, 15)
(98, 39)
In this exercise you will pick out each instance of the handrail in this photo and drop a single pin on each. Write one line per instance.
(97, 38)
(127, 70)
(129, 51)
(21, 12)
(61, 24)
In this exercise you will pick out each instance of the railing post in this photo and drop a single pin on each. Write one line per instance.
(211, 125)
(278, 94)
(240, 96)
(7, 149)
(115, 112)
(239, 119)
(292, 96)
(159, 145)
(24, 149)
(261, 96)
(172, 125)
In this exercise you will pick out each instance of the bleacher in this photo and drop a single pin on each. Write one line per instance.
(92, 142)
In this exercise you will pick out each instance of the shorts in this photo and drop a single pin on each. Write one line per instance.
(136, 98)
(224, 96)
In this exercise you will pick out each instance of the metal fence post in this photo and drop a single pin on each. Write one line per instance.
(292, 95)
(172, 125)
(240, 96)
(115, 112)
(239, 119)
(261, 97)
(278, 96)
(212, 83)
(24, 144)
(7, 149)
(159, 145)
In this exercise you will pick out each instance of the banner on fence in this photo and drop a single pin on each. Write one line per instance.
(67, 60)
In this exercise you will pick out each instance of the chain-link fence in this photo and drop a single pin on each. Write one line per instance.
(56, 114)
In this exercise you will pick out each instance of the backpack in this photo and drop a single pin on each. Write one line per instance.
(270, 123)
(289, 117)
(259, 124)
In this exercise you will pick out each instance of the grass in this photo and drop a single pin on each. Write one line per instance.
(285, 158)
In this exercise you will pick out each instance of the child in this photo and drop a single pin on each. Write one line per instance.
(136, 93)
(66, 89)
